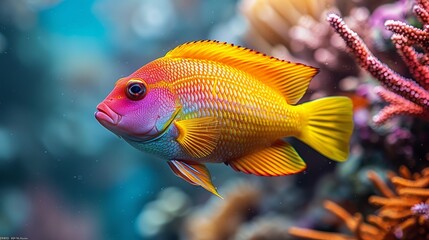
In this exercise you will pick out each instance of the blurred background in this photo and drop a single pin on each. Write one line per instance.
(63, 176)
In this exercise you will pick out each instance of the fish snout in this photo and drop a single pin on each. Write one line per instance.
(105, 115)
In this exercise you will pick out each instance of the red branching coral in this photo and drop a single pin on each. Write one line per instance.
(406, 96)
(403, 212)
(398, 106)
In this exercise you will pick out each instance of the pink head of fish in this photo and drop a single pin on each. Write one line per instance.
(138, 118)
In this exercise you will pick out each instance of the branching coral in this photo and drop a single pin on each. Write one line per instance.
(403, 212)
(406, 96)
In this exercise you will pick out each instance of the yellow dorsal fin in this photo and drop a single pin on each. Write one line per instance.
(278, 160)
(289, 79)
(198, 136)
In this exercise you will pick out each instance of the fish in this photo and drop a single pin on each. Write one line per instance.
(214, 102)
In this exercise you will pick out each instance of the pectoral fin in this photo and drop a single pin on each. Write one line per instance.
(198, 136)
(276, 160)
(194, 173)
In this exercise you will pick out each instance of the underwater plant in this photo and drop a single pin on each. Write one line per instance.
(405, 96)
(403, 211)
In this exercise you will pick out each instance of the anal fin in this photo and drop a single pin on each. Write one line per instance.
(276, 160)
(193, 173)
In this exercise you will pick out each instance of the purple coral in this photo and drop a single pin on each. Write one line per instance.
(406, 96)
(421, 209)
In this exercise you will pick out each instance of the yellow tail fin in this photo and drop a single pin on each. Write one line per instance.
(328, 126)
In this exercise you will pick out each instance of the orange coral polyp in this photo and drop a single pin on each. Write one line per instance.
(423, 182)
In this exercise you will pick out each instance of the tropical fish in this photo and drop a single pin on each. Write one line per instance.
(212, 102)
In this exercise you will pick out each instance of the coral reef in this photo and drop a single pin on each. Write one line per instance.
(403, 212)
(406, 96)
(62, 176)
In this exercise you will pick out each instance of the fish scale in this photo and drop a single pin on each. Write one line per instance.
(254, 111)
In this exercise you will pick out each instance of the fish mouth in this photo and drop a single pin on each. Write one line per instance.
(105, 114)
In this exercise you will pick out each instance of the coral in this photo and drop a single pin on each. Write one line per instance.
(156, 216)
(396, 10)
(296, 31)
(406, 96)
(268, 227)
(221, 218)
(403, 212)
(270, 20)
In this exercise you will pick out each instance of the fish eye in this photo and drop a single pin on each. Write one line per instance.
(135, 90)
